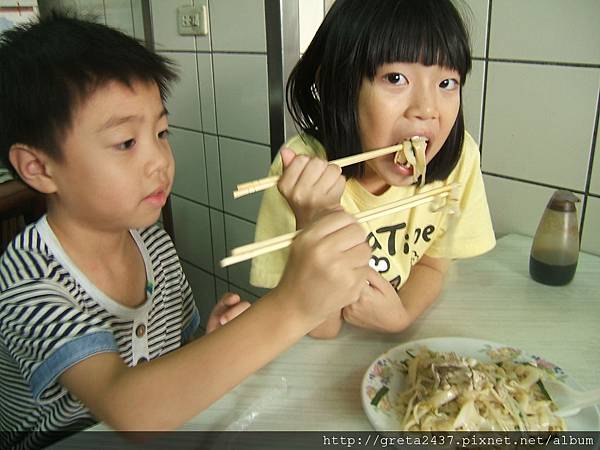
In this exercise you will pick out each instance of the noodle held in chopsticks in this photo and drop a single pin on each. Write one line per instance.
(413, 153)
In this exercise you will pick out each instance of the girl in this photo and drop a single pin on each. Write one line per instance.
(376, 74)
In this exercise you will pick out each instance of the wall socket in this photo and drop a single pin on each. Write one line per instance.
(192, 20)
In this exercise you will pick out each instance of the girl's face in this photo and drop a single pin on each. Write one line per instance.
(402, 101)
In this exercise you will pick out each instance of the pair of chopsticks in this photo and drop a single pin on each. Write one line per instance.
(265, 183)
(250, 251)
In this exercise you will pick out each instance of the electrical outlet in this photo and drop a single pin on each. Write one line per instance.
(192, 20)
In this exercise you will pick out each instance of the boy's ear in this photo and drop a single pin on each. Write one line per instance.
(32, 166)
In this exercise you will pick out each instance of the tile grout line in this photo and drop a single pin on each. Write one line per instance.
(588, 181)
(485, 80)
(539, 62)
(218, 140)
(536, 183)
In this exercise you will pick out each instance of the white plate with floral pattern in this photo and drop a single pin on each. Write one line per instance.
(384, 379)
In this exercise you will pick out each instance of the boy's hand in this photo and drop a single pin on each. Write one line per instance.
(378, 308)
(227, 308)
(311, 186)
(327, 267)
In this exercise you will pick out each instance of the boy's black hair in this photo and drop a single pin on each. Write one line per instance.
(354, 40)
(49, 68)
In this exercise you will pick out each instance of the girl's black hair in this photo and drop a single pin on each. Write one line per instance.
(354, 40)
(49, 68)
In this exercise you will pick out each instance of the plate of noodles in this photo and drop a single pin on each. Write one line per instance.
(461, 384)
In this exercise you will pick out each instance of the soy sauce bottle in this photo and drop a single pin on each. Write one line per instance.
(555, 248)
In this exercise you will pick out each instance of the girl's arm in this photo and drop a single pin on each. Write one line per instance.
(330, 328)
(381, 308)
(424, 285)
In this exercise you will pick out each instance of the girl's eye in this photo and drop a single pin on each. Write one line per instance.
(164, 134)
(127, 145)
(449, 84)
(396, 78)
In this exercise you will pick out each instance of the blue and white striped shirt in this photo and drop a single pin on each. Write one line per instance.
(52, 317)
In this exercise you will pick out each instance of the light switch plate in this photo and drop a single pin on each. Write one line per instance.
(192, 20)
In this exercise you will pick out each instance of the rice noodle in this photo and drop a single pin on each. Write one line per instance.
(413, 153)
(446, 392)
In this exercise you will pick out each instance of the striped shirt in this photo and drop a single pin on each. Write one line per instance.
(52, 317)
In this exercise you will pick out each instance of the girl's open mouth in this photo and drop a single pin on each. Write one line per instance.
(411, 159)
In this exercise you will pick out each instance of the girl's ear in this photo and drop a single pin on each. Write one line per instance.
(33, 168)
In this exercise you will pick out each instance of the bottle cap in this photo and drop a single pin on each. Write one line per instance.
(563, 201)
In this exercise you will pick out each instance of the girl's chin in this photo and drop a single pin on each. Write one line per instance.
(405, 181)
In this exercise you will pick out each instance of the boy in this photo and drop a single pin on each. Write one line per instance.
(94, 307)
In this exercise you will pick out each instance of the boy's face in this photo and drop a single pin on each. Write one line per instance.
(117, 168)
(405, 100)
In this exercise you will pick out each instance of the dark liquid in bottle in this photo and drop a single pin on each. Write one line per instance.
(553, 275)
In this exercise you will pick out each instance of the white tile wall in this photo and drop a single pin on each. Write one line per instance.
(221, 106)
(190, 165)
(517, 207)
(138, 19)
(240, 232)
(546, 30)
(595, 183)
(590, 241)
(238, 26)
(164, 24)
(242, 96)
(119, 15)
(207, 92)
(476, 20)
(184, 102)
(193, 232)
(473, 99)
(240, 162)
(12, 3)
(217, 220)
(310, 13)
(539, 121)
(203, 43)
(213, 163)
(203, 287)
(222, 287)
(88, 8)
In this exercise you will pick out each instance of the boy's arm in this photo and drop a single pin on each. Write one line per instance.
(311, 186)
(382, 309)
(332, 256)
(166, 392)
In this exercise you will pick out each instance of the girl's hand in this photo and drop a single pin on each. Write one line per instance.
(311, 186)
(378, 308)
(227, 308)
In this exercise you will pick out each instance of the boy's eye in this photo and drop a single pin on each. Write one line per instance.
(396, 78)
(128, 144)
(164, 134)
(449, 84)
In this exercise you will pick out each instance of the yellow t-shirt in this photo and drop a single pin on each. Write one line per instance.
(398, 240)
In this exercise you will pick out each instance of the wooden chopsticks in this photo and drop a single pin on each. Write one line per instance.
(264, 183)
(249, 251)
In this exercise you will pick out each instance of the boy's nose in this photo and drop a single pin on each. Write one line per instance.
(160, 158)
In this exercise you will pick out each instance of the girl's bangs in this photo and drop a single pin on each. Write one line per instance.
(417, 34)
